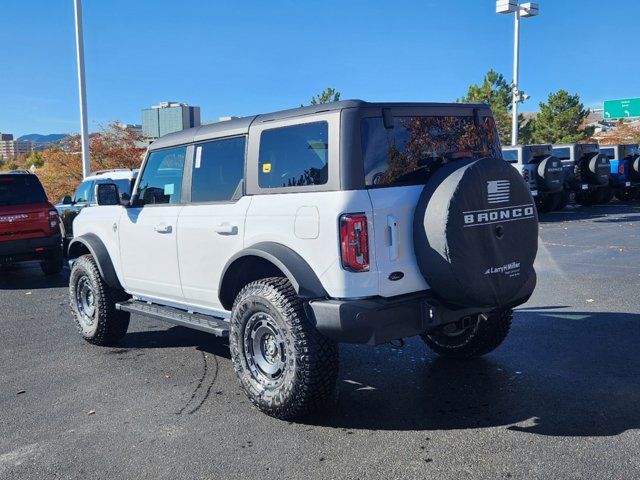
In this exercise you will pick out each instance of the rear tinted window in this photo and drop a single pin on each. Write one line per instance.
(510, 156)
(608, 152)
(294, 156)
(405, 154)
(563, 153)
(217, 170)
(21, 190)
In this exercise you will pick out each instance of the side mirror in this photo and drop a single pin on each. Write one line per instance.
(67, 200)
(107, 194)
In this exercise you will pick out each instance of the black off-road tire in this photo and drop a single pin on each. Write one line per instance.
(105, 325)
(52, 265)
(607, 195)
(625, 195)
(547, 202)
(269, 309)
(481, 337)
(563, 200)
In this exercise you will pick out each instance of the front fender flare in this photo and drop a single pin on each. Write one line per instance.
(100, 254)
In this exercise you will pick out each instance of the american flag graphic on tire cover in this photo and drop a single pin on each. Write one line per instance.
(498, 191)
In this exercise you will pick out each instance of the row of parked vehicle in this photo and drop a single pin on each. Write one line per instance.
(587, 172)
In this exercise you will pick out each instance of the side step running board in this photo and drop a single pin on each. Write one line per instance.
(205, 323)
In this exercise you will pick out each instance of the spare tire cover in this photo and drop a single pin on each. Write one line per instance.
(476, 234)
(599, 169)
(550, 174)
(634, 174)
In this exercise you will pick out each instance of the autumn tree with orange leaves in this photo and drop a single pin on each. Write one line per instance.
(112, 147)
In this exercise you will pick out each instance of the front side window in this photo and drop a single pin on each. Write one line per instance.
(510, 156)
(217, 170)
(294, 156)
(83, 192)
(562, 153)
(161, 180)
(406, 153)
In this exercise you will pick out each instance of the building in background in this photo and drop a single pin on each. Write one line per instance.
(168, 117)
(10, 148)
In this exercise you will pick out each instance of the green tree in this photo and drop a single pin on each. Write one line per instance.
(35, 158)
(495, 92)
(328, 95)
(560, 120)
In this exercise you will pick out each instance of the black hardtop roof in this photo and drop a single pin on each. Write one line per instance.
(239, 126)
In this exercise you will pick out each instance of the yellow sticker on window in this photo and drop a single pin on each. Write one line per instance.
(266, 168)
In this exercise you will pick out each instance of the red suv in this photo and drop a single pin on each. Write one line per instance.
(29, 224)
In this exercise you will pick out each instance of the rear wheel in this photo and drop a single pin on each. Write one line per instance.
(563, 200)
(547, 202)
(624, 195)
(284, 365)
(53, 263)
(470, 337)
(606, 195)
(93, 304)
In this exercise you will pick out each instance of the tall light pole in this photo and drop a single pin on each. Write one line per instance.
(524, 10)
(84, 129)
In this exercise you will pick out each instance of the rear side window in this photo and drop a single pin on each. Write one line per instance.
(294, 156)
(510, 156)
(562, 153)
(83, 193)
(406, 153)
(217, 170)
(21, 190)
(608, 152)
(161, 181)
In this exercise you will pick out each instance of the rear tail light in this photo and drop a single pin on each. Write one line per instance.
(525, 174)
(54, 219)
(354, 242)
(621, 168)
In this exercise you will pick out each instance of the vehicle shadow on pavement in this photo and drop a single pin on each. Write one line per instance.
(559, 373)
(29, 276)
(176, 337)
(605, 212)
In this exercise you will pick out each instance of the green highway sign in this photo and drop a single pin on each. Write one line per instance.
(625, 108)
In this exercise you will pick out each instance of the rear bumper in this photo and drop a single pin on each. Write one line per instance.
(379, 320)
(28, 249)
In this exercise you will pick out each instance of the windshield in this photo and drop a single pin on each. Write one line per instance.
(409, 152)
(20, 190)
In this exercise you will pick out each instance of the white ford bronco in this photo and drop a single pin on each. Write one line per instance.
(293, 231)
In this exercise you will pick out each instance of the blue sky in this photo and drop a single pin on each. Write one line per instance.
(245, 57)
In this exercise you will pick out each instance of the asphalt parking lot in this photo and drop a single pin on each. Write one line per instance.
(559, 399)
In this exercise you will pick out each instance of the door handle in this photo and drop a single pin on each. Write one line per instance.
(226, 229)
(163, 228)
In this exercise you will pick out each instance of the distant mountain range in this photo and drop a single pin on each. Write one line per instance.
(39, 138)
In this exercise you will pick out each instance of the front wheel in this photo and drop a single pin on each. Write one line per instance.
(470, 337)
(284, 365)
(93, 304)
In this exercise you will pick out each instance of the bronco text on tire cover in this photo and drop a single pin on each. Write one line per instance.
(476, 234)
